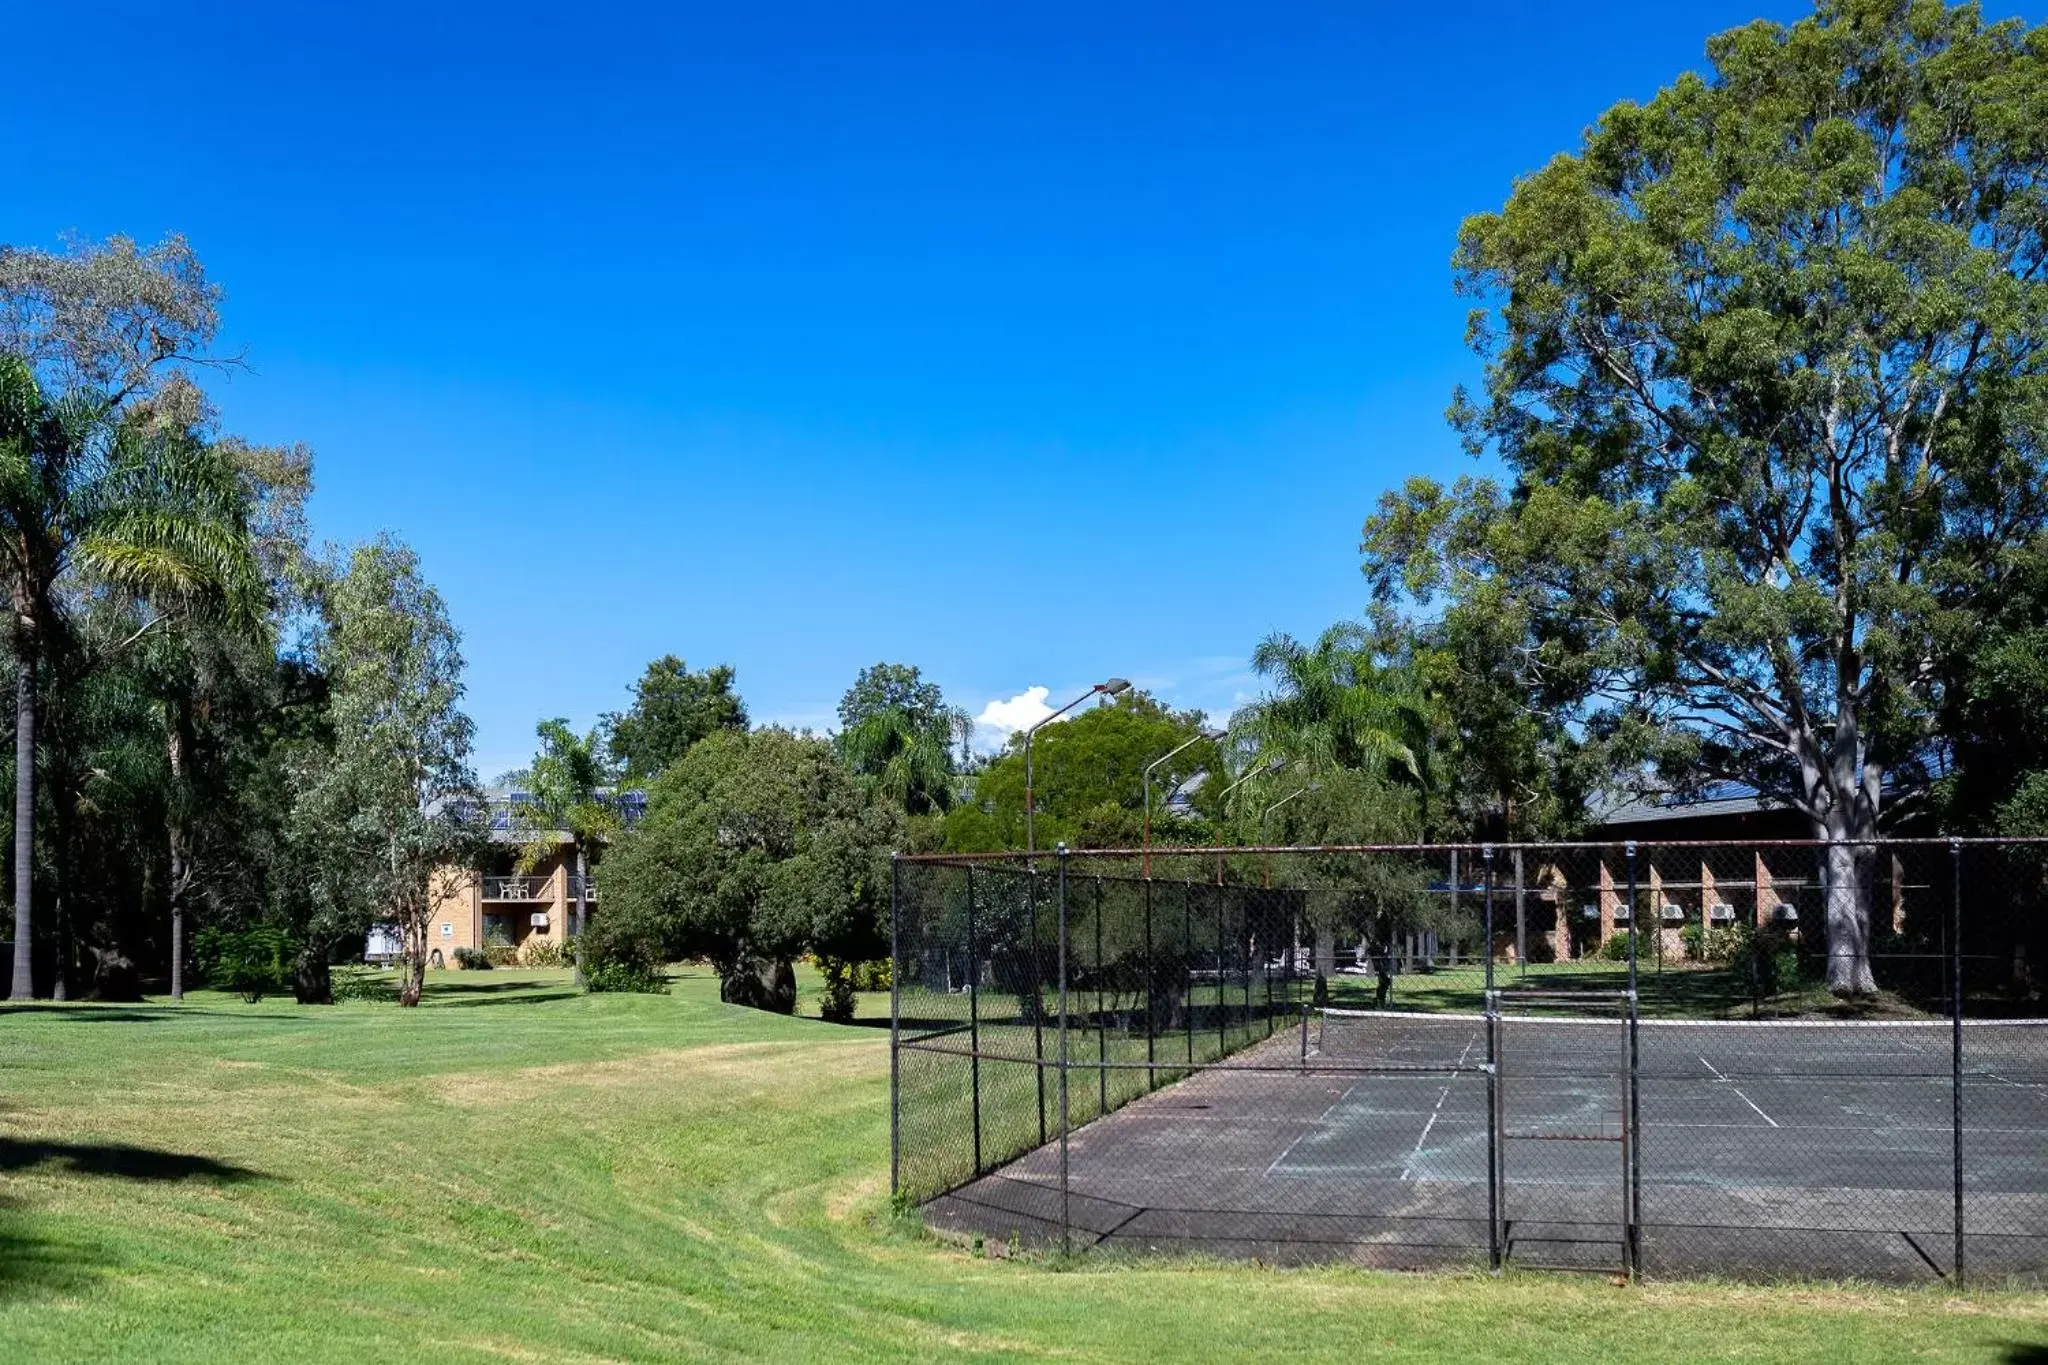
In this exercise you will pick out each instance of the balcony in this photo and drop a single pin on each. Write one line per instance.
(589, 885)
(519, 888)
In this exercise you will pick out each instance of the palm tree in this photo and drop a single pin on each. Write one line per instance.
(571, 782)
(1334, 705)
(906, 756)
(87, 493)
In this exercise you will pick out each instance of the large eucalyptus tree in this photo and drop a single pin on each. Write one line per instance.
(1767, 366)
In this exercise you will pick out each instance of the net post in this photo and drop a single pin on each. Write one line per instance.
(973, 1017)
(1494, 1172)
(895, 1024)
(1955, 955)
(1066, 1221)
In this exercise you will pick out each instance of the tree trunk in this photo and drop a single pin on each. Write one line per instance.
(181, 861)
(23, 986)
(312, 978)
(413, 983)
(1849, 875)
(582, 888)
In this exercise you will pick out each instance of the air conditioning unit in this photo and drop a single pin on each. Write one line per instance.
(538, 919)
(1721, 914)
(1786, 914)
(1674, 914)
(1589, 912)
(1622, 914)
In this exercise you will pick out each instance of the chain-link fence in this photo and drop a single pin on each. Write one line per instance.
(1616, 1057)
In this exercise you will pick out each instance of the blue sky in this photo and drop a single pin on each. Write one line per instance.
(1028, 347)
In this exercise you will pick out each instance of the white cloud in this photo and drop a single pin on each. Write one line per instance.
(1002, 718)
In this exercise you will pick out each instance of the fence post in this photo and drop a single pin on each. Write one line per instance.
(1037, 998)
(1486, 858)
(973, 1017)
(1101, 1019)
(1495, 1171)
(1632, 1251)
(1223, 1011)
(1522, 923)
(1151, 994)
(1187, 958)
(1066, 1221)
(895, 1024)
(1955, 955)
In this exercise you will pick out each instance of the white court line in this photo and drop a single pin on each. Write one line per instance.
(1288, 1150)
(1407, 1171)
(1738, 1093)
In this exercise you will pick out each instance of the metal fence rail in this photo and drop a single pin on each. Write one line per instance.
(1613, 1058)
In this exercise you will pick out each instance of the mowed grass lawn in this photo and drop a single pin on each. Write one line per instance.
(519, 1172)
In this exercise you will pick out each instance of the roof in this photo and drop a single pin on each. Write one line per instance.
(1719, 799)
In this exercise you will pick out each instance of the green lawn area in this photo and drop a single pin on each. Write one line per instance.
(519, 1172)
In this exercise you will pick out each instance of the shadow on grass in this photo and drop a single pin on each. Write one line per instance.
(2025, 1353)
(531, 997)
(119, 1160)
(85, 1012)
(35, 1264)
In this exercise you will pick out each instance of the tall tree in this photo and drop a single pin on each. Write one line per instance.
(85, 334)
(673, 708)
(1767, 363)
(572, 787)
(1338, 704)
(896, 731)
(1090, 778)
(756, 847)
(393, 805)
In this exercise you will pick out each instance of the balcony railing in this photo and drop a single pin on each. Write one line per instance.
(588, 883)
(519, 888)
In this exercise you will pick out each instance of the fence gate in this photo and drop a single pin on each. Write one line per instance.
(1564, 1123)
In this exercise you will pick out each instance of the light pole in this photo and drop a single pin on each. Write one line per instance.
(1106, 689)
(1210, 735)
(1298, 791)
(1271, 765)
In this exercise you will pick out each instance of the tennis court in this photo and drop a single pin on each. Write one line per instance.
(1531, 1088)
(1766, 1149)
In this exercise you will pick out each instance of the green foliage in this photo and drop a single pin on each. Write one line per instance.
(1766, 363)
(897, 732)
(673, 709)
(544, 952)
(391, 804)
(252, 963)
(1617, 946)
(625, 977)
(756, 847)
(836, 1007)
(360, 983)
(1089, 774)
(474, 959)
(1726, 943)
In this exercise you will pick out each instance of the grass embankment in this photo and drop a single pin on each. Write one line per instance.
(517, 1171)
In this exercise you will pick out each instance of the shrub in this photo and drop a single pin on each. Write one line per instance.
(1616, 948)
(250, 962)
(474, 959)
(362, 983)
(872, 976)
(837, 1006)
(502, 955)
(545, 952)
(635, 978)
